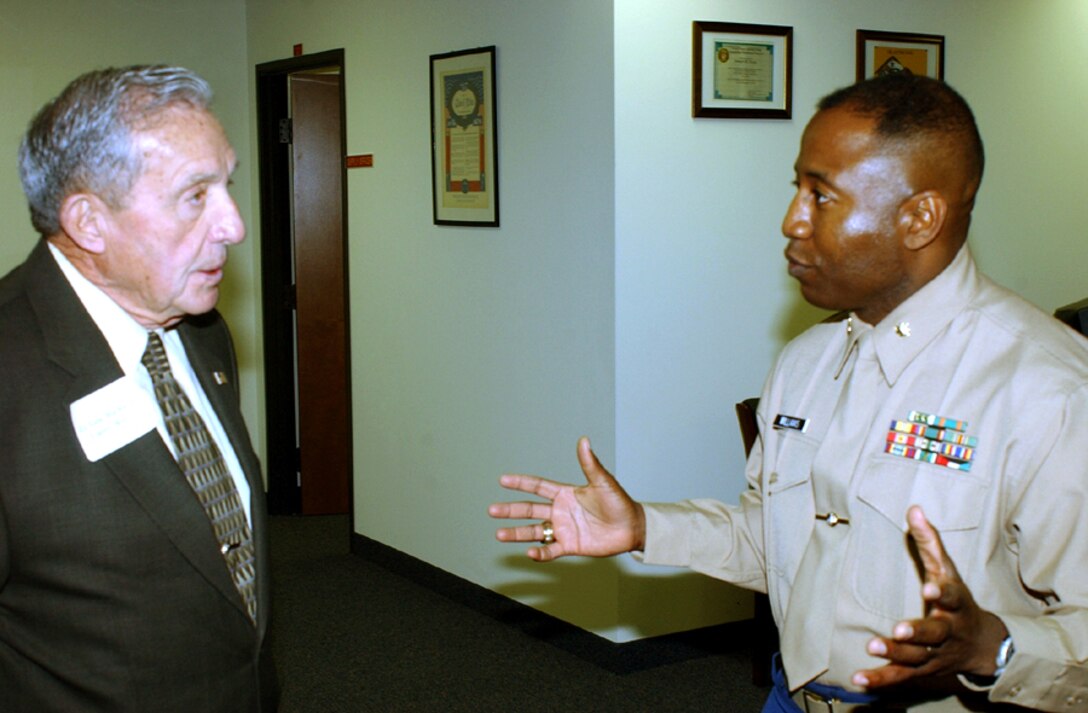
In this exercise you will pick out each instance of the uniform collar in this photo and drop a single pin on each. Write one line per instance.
(909, 328)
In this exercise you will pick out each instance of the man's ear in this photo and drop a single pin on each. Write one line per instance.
(84, 218)
(922, 218)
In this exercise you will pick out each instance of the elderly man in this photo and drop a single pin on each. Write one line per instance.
(133, 559)
(916, 511)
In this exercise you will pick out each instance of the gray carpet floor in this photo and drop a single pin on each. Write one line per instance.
(350, 635)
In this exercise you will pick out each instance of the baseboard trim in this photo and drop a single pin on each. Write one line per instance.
(615, 657)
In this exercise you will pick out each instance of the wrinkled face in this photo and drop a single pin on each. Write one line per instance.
(844, 222)
(167, 243)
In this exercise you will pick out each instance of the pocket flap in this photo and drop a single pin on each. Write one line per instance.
(952, 500)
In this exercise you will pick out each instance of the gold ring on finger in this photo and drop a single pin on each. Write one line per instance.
(547, 532)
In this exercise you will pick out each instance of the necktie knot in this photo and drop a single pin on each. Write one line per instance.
(154, 357)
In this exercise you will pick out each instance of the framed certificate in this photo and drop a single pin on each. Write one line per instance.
(888, 52)
(464, 164)
(741, 71)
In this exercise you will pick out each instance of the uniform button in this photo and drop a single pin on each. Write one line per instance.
(833, 519)
(773, 478)
(1074, 701)
(1014, 691)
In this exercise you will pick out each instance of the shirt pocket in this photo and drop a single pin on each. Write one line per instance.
(886, 572)
(788, 511)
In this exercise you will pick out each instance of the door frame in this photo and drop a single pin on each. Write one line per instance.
(277, 296)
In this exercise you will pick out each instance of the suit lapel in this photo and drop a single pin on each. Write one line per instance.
(217, 375)
(145, 467)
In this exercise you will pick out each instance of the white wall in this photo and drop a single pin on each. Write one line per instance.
(1029, 229)
(474, 350)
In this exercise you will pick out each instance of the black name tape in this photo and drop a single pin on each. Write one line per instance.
(790, 422)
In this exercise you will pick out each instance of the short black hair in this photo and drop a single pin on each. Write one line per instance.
(908, 106)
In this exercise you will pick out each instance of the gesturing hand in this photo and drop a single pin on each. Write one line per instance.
(598, 519)
(955, 636)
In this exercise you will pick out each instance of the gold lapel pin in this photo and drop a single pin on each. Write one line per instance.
(220, 377)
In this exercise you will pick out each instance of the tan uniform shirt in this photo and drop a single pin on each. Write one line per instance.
(1011, 384)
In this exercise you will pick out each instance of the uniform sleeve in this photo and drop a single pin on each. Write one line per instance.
(711, 537)
(1049, 522)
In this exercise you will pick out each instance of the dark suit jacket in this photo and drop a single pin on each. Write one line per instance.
(113, 594)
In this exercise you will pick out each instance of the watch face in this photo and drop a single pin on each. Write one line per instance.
(1004, 653)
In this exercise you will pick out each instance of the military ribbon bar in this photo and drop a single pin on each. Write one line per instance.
(932, 439)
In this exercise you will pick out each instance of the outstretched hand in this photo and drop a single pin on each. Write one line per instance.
(955, 636)
(597, 519)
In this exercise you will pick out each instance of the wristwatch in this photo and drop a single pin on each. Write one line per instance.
(1004, 655)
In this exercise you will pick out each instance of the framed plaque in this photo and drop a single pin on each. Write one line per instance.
(741, 71)
(464, 165)
(887, 52)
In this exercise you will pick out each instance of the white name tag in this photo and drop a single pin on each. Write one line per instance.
(112, 417)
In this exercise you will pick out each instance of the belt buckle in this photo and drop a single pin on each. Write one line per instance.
(815, 703)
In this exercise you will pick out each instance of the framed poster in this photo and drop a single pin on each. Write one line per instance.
(464, 165)
(887, 52)
(741, 71)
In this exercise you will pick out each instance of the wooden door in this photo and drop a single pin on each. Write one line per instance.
(317, 161)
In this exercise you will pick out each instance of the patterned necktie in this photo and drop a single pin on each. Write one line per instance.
(200, 460)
